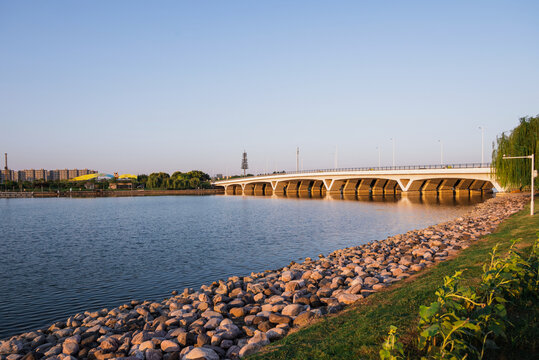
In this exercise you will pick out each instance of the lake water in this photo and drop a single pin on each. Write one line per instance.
(61, 256)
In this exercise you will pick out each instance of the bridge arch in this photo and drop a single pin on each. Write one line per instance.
(233, 189)
(432, 185)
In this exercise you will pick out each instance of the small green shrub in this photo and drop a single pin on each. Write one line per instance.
(470, 323)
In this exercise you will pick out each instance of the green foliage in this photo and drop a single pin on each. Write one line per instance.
(158, 180)
(194, 179)
(392, 349)
(521, 141)
(142, 179)
(470, 323)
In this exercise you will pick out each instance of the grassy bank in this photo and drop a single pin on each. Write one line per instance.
(359, 332)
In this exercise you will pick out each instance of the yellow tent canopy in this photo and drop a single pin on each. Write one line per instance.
(127, 176)
(84, 177)
(101, 176)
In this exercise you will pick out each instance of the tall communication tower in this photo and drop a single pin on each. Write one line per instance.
(6, 170)
(244, 164)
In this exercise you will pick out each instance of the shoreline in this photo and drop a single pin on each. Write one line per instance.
(233, 318)
(106, 193)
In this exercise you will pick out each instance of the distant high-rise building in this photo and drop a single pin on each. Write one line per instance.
(41, 174)
(29, 175)
(54, 175)
(64, 174)
(73, 173)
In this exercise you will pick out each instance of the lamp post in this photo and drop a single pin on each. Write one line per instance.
(441, 152)
(482, 144)
(379, 155)
(532, 156)
(393, 140)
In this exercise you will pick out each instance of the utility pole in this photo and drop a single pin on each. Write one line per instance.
(393, 140)
(297, 159)
(532, 190)
(482, 144)
(441, 152)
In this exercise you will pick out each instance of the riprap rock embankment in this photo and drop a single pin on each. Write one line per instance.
(233, 318)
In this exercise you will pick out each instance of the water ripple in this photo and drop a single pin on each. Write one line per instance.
(63, 256)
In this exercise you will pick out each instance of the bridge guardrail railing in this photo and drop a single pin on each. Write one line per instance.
(377, 168)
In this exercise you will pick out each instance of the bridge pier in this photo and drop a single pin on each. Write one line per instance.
(378, 187)
(447, 186)
(279, 188)
(364, 187)
(414, 187)
(318, 188)
(249, 189)
(431, 187)
(336, 186)
(350, 187)
(303, 189)
(268, 189)
(391, 188)
(292, 188)
(463, 187)
(258, 189)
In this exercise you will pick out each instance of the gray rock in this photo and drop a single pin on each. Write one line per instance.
(10, 347)
(169, 346)
(259, 338)
(249, 349)
(70, 348)
(146, 345)
(292, 309)
(153, 354)
(202, 354)
(275, 334)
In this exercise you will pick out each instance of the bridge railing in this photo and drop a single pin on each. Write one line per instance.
(379, 168)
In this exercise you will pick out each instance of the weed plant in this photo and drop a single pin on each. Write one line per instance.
(471, 322)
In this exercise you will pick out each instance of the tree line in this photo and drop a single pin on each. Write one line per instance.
(194, 179)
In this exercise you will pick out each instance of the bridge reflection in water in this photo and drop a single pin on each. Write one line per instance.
(467, 198)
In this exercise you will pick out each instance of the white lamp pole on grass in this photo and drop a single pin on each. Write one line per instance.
(532, 156)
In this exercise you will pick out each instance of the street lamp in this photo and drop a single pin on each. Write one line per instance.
(393, 139)
(532, 156)
(482, 144)
(441, 152)
(379, 155)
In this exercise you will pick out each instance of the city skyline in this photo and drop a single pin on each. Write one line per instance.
(133, 88)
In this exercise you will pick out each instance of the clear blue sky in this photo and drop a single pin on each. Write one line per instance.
(138, 86)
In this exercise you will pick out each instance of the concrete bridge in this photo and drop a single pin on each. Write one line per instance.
(405, 180)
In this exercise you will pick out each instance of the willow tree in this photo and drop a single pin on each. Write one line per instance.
(521, 141)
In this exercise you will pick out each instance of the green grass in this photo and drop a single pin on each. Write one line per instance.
(359, 332)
